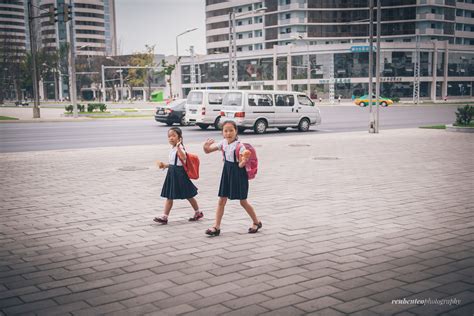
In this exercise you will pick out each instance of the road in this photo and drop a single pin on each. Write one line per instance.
(16, 137)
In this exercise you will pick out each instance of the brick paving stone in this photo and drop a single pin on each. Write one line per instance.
(355, 305)
(103, 309)
(249, 310)
(318, 304)
(241, 302)
(287, 300)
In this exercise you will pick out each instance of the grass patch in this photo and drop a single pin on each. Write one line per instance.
(434, 127)
(7, 118)
(469, 125)
(122, 116)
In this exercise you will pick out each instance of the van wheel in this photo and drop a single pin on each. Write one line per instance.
(282, 129)
(303, 126)
(183, 121)
(260, 127)
(203, 126)
(217, 122)
(383, 103)
(362, 104)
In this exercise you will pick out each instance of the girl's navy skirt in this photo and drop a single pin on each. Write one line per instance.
(177, 184)
(234, 181)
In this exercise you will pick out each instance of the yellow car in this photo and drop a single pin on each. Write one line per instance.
(364, 101)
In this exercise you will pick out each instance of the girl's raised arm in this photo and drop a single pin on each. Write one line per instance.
(209, 146)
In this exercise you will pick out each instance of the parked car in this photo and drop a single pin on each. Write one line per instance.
(173, 112)
(203, 108)
(262, 109)
(364, 101)
(21, 103)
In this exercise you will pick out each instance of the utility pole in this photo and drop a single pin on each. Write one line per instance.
(104, 95)
(416, 73)
(36, 109)
(377, 66)
(232, 51)
(371, 65)
(67, 13)
(193, 68)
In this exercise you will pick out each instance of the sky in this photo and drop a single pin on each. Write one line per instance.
(157, 22)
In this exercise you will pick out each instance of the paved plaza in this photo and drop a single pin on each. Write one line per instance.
(353, 223)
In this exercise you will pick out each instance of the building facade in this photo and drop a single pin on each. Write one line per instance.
(94, 26)
(321, 47)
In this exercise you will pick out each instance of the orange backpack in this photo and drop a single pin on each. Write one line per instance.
(191, 166)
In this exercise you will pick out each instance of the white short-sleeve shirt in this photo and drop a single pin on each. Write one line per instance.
(172, 156)
(229, 149)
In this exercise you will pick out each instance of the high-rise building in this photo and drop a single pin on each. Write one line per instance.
(334, 21)
(13, 25)
(94, 26)
(321, 47)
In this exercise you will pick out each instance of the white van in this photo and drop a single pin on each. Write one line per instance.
(203, 108)
(262, 109)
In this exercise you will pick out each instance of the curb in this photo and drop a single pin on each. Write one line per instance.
(459, 129)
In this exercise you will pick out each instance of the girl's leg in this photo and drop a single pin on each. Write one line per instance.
(220, 211)
(194, 204)
(249, 209)
(168, 206)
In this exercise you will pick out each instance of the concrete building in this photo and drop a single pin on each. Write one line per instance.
(321, 47)
(94, 26)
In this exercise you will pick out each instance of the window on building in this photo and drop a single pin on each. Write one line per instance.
(288, 16)
(288, 30)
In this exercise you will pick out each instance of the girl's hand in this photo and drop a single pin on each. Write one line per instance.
(209, 142)
(246, 154)
(178, 143)
(160, 164)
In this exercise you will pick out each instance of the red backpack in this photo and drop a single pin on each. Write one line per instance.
(191, 166)
(252, 164)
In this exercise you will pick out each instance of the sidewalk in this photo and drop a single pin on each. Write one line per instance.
(351, 222)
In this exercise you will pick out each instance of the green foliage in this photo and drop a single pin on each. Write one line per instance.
(80, 107)
(96, 106)
(396, 99)
(464, 115)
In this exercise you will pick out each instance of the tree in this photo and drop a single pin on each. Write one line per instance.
(138, 77)
(167, 71)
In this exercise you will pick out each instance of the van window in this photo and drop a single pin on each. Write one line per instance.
(284, 100)
(232, 99)
(215, 98)
(194, 98)
(260, 100)
(304, 100)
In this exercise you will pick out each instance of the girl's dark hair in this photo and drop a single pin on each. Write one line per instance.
(179, 132)
(234, 125)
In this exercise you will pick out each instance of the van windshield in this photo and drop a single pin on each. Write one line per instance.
(232, 99)
(194, 98)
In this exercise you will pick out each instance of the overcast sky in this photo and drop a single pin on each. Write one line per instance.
(141, 22)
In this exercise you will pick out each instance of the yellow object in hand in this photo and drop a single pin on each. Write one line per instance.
(246, 154)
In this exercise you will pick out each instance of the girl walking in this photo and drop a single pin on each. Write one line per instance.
(177, 184)
(234, 180)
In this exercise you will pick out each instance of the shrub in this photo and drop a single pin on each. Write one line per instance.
(94, 106)
(396, 99)
(69, 108)
(464, 115)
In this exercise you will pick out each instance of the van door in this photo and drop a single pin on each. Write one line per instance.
(260, 105)
(306, 107)
(285, 114)
(214, 105)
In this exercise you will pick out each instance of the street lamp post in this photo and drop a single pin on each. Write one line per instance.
(178, 71)
(377, 67)
(120, 71)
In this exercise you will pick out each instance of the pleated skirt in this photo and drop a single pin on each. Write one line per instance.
(177, 185)
(234, 182)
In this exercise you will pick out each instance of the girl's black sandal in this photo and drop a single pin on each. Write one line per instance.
(254, 230)
(213, 231)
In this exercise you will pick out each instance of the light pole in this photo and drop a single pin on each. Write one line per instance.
(120, 71)
(308, 65)
(178, 71)
(233, 79)
(377, 67)
(36, 109)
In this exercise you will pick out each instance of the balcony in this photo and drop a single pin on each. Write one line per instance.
(291, 21)
(430, 16)
(293, 6)
(431, 32)
(291, 35)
